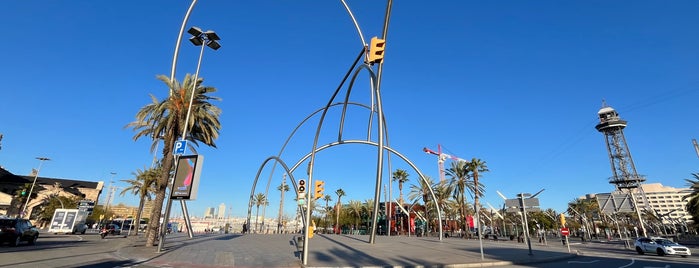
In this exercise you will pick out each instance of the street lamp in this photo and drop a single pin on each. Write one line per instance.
(199, 38)
(24, 209)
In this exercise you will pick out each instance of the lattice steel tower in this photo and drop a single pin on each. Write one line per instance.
(624, 175)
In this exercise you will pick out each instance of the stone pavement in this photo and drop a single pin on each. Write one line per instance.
(283, 250)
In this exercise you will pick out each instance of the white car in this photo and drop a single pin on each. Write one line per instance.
(660, 246)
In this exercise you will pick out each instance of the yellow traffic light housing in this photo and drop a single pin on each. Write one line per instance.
(376, 49)
(563, 220)
(319, 188)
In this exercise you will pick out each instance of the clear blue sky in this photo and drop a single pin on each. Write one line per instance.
(515, 83)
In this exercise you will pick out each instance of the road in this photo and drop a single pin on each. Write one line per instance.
(65, 250)
(231, 250)
(614, 255)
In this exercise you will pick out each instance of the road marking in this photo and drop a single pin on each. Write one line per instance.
(632, 261)
(583, 261)
(666, 266)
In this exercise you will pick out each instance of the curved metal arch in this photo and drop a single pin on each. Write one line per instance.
(349, 91)
(354, 20)
(291, 135)
(337, 90)
(254, 184)
(422, 176)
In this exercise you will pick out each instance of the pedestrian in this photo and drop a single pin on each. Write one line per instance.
(245, 227)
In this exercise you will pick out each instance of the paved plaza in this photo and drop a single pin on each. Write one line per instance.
(284, 250)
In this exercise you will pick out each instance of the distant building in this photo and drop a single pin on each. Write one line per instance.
(123, 211)
(45, 187)
(209, 213)
(221, 211)
(663, 200)
(666, 200)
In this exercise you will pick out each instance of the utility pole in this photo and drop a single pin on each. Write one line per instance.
(694, 141)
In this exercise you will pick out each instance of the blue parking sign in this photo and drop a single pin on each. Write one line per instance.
(180, 147)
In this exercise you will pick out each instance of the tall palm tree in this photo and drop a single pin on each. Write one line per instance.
(327, 198)
(340, 193)
(165, 119)
(477, 166)
(401, 176)
(460, 180)
(693, 203)
(260, 200)
(282, 188)
(143, 186)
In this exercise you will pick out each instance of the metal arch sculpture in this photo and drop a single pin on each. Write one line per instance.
(259, 171)
(344, 104)
(291, 170)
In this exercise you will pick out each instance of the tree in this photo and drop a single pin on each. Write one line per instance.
(460, 181)
(421, 191)
(143, 186)
(282, 188)
(401, 176)
(327, 198)
(19, 198)
(477, 166)
(340, 193)
(693, 203)
(166, 120)
(260, 200)
(355, 208)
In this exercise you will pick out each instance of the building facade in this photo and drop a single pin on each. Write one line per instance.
(44, 188)
(667, 202)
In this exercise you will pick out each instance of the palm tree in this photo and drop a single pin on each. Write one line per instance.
(282, 188)
(143, 186)
(477, 166)
(260, 200)
(166, 120)
(340, 193)
(459, 179)
(401, 176)
(693, 203)
(355, 208)
(327, 198)
(421, 190)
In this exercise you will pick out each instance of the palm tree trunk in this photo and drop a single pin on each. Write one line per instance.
(337, 217)
(257, 215)
(138, 216)
(161, 189)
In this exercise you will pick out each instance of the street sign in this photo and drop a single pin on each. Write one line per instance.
(180, 147)
(565, 231)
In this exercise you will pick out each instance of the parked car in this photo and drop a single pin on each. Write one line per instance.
(660, 246)
(15, 231)
(79, 228)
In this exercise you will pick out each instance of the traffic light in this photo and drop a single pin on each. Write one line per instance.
(319, 189)
(302, 186)
(376, 49)
(24, 192)
(563, 220)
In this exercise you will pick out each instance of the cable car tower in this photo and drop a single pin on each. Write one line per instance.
(624, 175)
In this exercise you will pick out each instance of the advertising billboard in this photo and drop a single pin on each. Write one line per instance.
(187, 176)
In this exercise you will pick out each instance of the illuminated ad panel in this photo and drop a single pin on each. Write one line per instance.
(187, 177)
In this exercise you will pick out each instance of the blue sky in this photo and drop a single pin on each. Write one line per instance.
(515, 83)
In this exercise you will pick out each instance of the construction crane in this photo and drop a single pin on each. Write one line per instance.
(441, 157)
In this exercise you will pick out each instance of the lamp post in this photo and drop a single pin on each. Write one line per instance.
(199, 38)
(24, 209)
